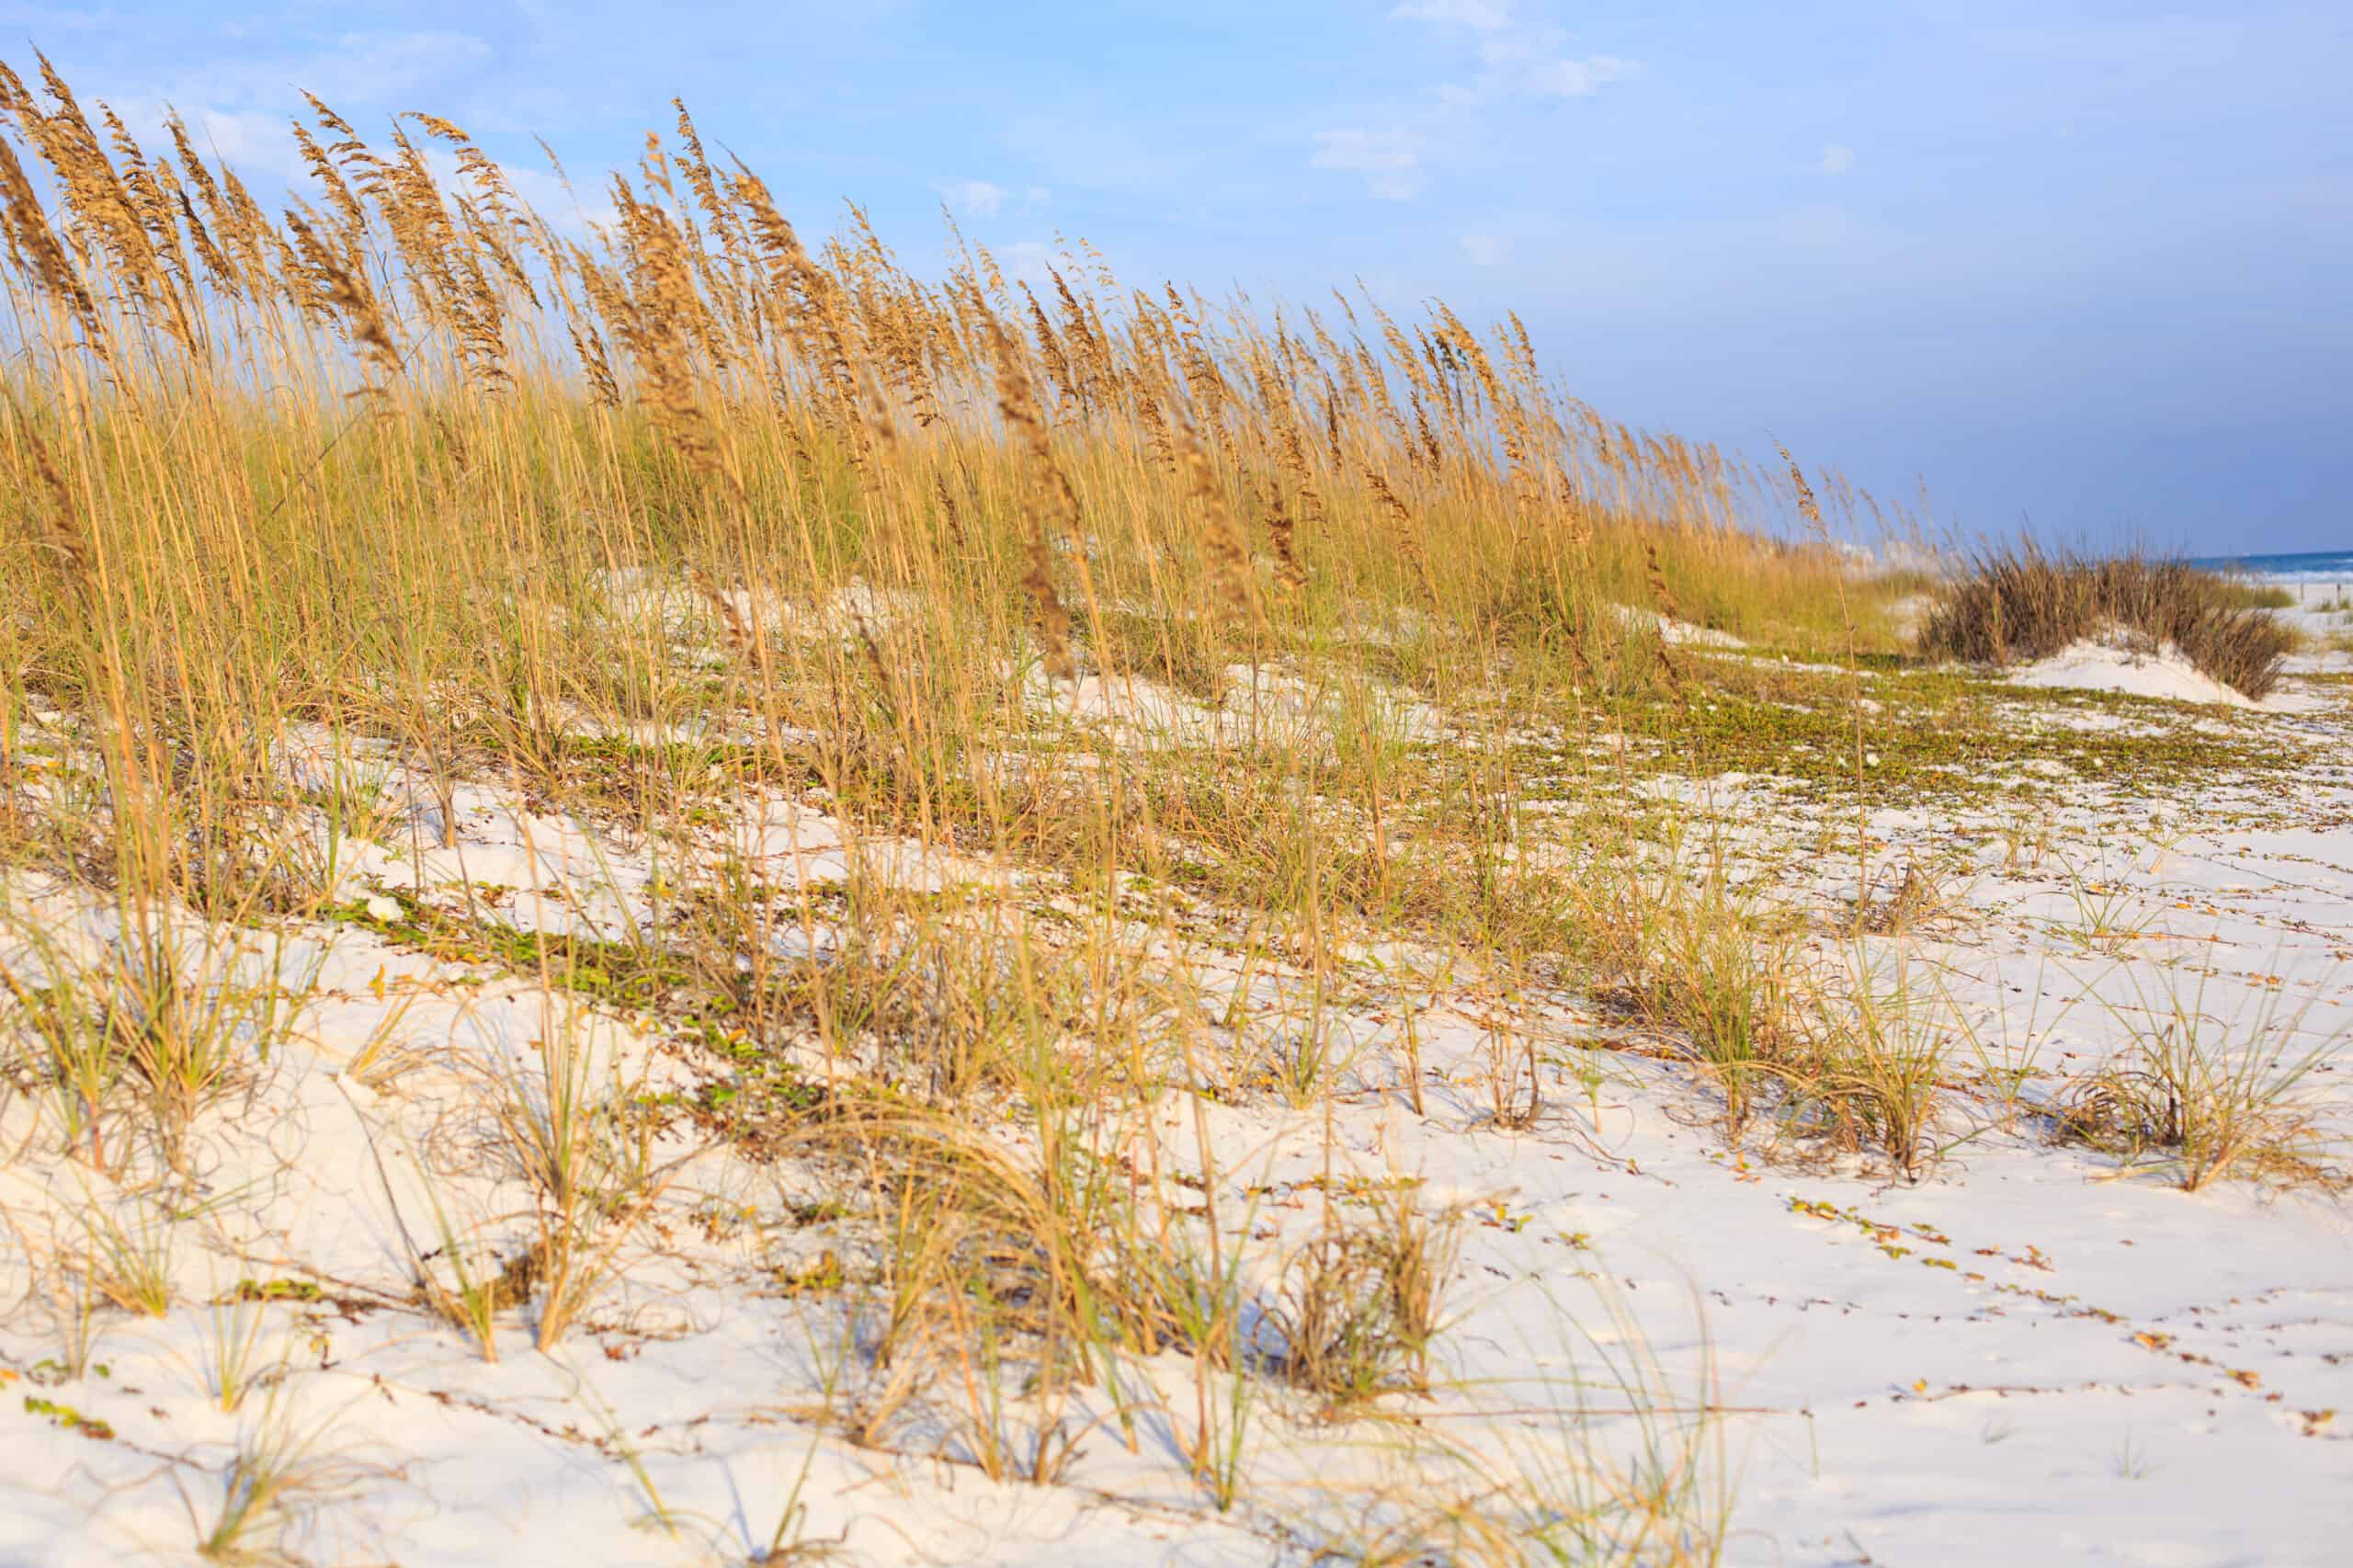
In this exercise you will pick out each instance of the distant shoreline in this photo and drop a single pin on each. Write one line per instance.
(2311, 566)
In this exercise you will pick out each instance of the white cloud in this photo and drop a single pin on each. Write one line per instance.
(1564, 78)
(238, 109)
(246, 97)
(1482, 16)
(1389, 160)
(1818, 227)
(252, 142)
(573, 212)
(259, 144)
(1028, 261)
(1521, 58)
(1385, 152)
(1518, 58)
(63, 18)
(391, 69)
(1835, 160)
(985, 199)
(975, 198)
(1483, 250)
(360, 70)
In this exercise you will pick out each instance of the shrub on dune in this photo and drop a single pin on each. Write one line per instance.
(2018, 604)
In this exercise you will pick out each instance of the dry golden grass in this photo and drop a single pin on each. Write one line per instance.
(690, 510)
(408, 490)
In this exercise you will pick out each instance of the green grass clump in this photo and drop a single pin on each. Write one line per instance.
(2256, 595)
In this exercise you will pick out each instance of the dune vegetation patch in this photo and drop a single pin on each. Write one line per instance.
(2018, 604)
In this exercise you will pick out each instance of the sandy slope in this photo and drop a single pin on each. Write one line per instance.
(2025, 1356)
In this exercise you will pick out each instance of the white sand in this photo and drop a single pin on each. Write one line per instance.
(2028, 1356)
(2111, 666)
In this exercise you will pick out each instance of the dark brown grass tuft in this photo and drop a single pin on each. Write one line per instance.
(2018, 604)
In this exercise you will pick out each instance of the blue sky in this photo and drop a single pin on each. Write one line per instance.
(2085, 265)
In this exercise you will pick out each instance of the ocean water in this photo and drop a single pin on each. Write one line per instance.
(2317, 566)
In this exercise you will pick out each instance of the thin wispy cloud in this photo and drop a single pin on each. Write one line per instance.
(1483, 250)
(568, 210)
(253, 142)
(1029, 261)
(357, 70)
(975, 198)
(1560, 77)
(259, 144)
(61, 18)
(239, 109)
(1835, 159)
(1519, 60)
(1485, 15)
(986, 199)
(1518, 56)
(1389, 161)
